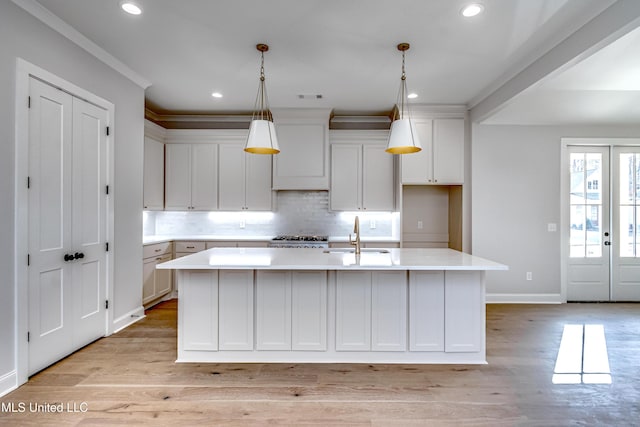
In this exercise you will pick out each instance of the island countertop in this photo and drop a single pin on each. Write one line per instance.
(331, 259)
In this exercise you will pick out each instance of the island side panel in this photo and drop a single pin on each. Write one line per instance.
(198, 310)
(464, 311)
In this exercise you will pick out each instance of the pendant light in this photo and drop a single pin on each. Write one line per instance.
(403, 138)
(262, 133)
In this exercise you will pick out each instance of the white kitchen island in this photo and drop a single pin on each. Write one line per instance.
(311, 305)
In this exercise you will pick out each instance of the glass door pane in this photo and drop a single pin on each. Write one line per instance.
(629, 201)
(586, 199)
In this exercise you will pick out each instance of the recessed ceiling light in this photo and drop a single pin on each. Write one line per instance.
(216, 95)
(412, 96)
(131, 7)
(472, 9)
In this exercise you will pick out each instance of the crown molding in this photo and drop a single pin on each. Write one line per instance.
(54, 22)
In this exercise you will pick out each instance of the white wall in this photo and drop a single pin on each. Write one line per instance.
(515, 194)
(23, 36)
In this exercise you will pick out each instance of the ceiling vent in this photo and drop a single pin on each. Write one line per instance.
(309, 96)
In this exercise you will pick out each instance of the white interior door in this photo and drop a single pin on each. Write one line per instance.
(588, 270)
(67, 224)
(626, 221)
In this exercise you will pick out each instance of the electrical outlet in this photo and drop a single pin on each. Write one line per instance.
(420, 225)
(242, 223)
(529, 275)
(552, 227)
(372, 224)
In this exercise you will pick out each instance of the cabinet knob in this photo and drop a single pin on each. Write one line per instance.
(79, 255)
(68, 257)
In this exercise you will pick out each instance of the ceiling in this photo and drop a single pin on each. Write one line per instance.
(346, 52)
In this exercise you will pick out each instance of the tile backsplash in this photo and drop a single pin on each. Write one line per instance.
(297, 212)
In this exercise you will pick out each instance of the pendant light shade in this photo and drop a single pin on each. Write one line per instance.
(262, 137)
(403, 139)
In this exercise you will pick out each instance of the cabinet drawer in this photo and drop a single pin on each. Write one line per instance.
(191, 247)
(157, 249)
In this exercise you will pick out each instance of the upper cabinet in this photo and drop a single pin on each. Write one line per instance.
(244, 179)
(209, 170)
(153, 190)
(191, 177)
(362, 172)
(303, 161)
(441, 160)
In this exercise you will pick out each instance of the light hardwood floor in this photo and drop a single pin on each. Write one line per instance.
(131, 378)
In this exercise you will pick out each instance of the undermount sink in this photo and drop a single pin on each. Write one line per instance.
(352, 251)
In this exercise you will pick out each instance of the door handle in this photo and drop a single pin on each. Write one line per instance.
(78, 255)
(68, 257)
(607, 243)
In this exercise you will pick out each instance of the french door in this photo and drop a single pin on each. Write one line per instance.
(67, 224)
(604, 213)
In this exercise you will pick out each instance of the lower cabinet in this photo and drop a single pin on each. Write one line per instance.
(291, 310)
(235, 309)
(156, 283)
(371, 311)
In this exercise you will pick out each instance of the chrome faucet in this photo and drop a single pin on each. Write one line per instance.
(356, 230)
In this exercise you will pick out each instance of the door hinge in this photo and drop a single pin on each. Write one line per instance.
(28, 102)
(107, 130)
(107, 189)
(28, 336)
(106, 304)
(28, 182)
(106, 247)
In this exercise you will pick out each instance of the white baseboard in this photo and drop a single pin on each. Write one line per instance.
(128, 319)
(8, 383)
(524, 299)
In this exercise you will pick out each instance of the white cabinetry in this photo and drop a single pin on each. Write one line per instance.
(156, 283)
(303, 161)
(244, 179)
(362, 173)
(426, 310)
(153, 189)
(464, 319)
(235, 309)
(441, 160)
(191, 177)
(371, 311)
(291, 310)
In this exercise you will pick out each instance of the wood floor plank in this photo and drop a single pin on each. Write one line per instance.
(131, 378)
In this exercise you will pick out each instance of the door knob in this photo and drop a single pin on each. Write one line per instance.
(79, 255)
(607, 243)
(68, 257)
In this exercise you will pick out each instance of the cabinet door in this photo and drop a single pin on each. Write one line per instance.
(273, 310)
(258, 182)
(378, 183)
(235, 309)
(346, 177)
(164, 278)
(353, 311)
(231, 195)
(448, 151)
(178, 177)
(417, 168)
(204, 176)
(153, 190)
(426, 311)
(149, 280)
(389, 311)
(309, 310)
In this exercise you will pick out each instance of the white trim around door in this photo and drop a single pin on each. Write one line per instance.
(24, 72)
